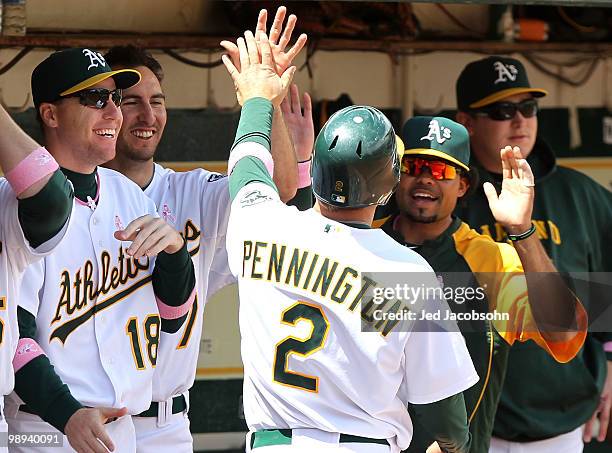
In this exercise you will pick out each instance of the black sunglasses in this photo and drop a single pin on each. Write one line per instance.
(502, 111)
(97, 97)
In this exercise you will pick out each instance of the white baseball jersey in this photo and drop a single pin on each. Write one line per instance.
(15, 256)
(96, 315)
(196, 203)
(307, 363)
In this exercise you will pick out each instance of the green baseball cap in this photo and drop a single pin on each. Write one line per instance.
(71, 70)
(491, 79)
(437, 136)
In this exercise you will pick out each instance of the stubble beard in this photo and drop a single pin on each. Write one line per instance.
(420, 217)
(134, 154)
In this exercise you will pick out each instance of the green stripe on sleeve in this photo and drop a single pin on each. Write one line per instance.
(248, 169)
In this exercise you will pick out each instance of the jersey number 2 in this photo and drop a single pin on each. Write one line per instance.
(301, 311)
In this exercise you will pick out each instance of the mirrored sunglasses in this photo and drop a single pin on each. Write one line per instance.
(439, 169)
(97, 97)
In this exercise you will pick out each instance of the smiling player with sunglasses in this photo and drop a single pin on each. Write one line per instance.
(547, 410)
(435, 175)
(90, 314)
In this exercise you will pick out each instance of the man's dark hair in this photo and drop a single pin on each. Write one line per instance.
(130, 57)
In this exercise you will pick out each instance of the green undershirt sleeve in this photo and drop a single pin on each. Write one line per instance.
(446, 422)
(39, 386)
(43, 215)
(255, 126)
(173, 282)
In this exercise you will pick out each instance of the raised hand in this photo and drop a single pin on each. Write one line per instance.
(514, 205)
(283, 59)
(279, 39)
(300, 125)
(149, 236)
(85, 429)
(257, 76)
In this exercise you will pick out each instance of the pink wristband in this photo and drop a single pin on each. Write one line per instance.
(170, 312)
(38, 164)
(250, 149)
(607, 346)
(27, 350)
(304, 174)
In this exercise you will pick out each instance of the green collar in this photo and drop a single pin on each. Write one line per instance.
(440, 242)
(440, 252)
(389, 228)
(85, 185)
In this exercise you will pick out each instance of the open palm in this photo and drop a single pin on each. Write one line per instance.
(300, 125)
(514, 205)
(256, 76)
(278, 41)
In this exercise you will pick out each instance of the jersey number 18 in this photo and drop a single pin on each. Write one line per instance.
(150, 326)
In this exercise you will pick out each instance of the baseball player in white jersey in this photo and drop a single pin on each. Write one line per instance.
(91, 314)
(43, 191)
(197, 203)
(313, 379)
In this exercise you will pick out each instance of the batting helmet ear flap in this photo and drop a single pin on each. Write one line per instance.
(356, 162)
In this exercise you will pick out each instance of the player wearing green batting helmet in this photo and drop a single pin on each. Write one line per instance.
(355, 162)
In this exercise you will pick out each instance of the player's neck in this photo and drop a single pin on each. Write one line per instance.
(138, 171)
(68, 155)
(69, 160)
(416, 233)
(347, 215)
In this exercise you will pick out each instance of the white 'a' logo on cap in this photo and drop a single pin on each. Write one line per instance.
(505, 72)
(94, 59)
(437, 132)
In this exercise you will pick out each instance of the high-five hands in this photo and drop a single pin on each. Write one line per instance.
(257, 76)
(282, 59)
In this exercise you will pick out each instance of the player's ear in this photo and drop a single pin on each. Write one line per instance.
(466, 120)
(48, 114)
(464, 186)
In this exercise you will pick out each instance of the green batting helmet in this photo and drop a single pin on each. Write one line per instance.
(355, 162)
